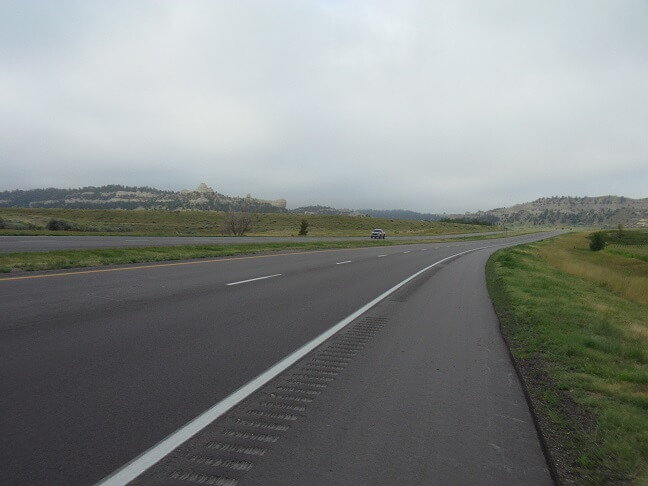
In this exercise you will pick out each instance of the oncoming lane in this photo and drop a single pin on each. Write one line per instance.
(9, 244)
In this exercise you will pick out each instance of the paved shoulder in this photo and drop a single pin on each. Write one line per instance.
(418, 391)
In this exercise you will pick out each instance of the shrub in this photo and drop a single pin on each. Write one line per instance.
(58, 225)
(597, 241)
(237, 224)
(303, 228)
(2, 223)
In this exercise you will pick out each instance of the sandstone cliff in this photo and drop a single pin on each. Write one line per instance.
(124, 197)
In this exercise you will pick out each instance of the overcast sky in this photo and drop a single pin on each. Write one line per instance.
(434, 106)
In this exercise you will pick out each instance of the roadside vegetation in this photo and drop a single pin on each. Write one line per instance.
(576, 322)
(630, 244)
(21, 221)
(62, 259)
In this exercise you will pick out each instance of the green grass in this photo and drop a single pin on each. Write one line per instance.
(582, 348)
(631, 244)
(60, 259)
(625, 237)
(619, 274)
(22, 221)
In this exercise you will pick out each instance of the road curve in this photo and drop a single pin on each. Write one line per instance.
(12, 244)
(97, 367)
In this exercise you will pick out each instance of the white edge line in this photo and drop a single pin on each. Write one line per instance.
(342, 263)
(255, 279)
(144, 461)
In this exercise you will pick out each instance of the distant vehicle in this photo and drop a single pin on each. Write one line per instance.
(378, 233)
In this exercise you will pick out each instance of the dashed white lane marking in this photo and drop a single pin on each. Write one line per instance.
(342, 263)
(137, 466)
(381, 256)
(255, 279)
(406, 251)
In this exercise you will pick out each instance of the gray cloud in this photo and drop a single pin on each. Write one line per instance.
(432, 106)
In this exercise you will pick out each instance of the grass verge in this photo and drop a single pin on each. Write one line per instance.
(581, 347)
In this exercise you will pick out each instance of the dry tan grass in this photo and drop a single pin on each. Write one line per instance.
(628, 391)
(639, 331)
(625, 277)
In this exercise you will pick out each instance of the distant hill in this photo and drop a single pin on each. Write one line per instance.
(324, 210)
(603, 211)
(400, 214)
(127, 197)
(373, 213)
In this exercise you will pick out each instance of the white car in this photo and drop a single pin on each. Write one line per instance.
(378, 233)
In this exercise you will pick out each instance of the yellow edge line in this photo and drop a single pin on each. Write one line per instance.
(176, 264)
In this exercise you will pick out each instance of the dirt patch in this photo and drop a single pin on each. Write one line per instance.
(559, 439)
(536, 381)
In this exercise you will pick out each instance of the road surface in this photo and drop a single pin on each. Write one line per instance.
(99, 366)
(11, 244)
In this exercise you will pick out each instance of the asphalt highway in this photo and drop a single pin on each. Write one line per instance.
(11, 244)
(98, 366)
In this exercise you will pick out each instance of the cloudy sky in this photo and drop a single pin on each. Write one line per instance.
(436, 106)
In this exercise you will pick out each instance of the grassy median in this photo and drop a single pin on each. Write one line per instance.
(61, 259)
(577, 325)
